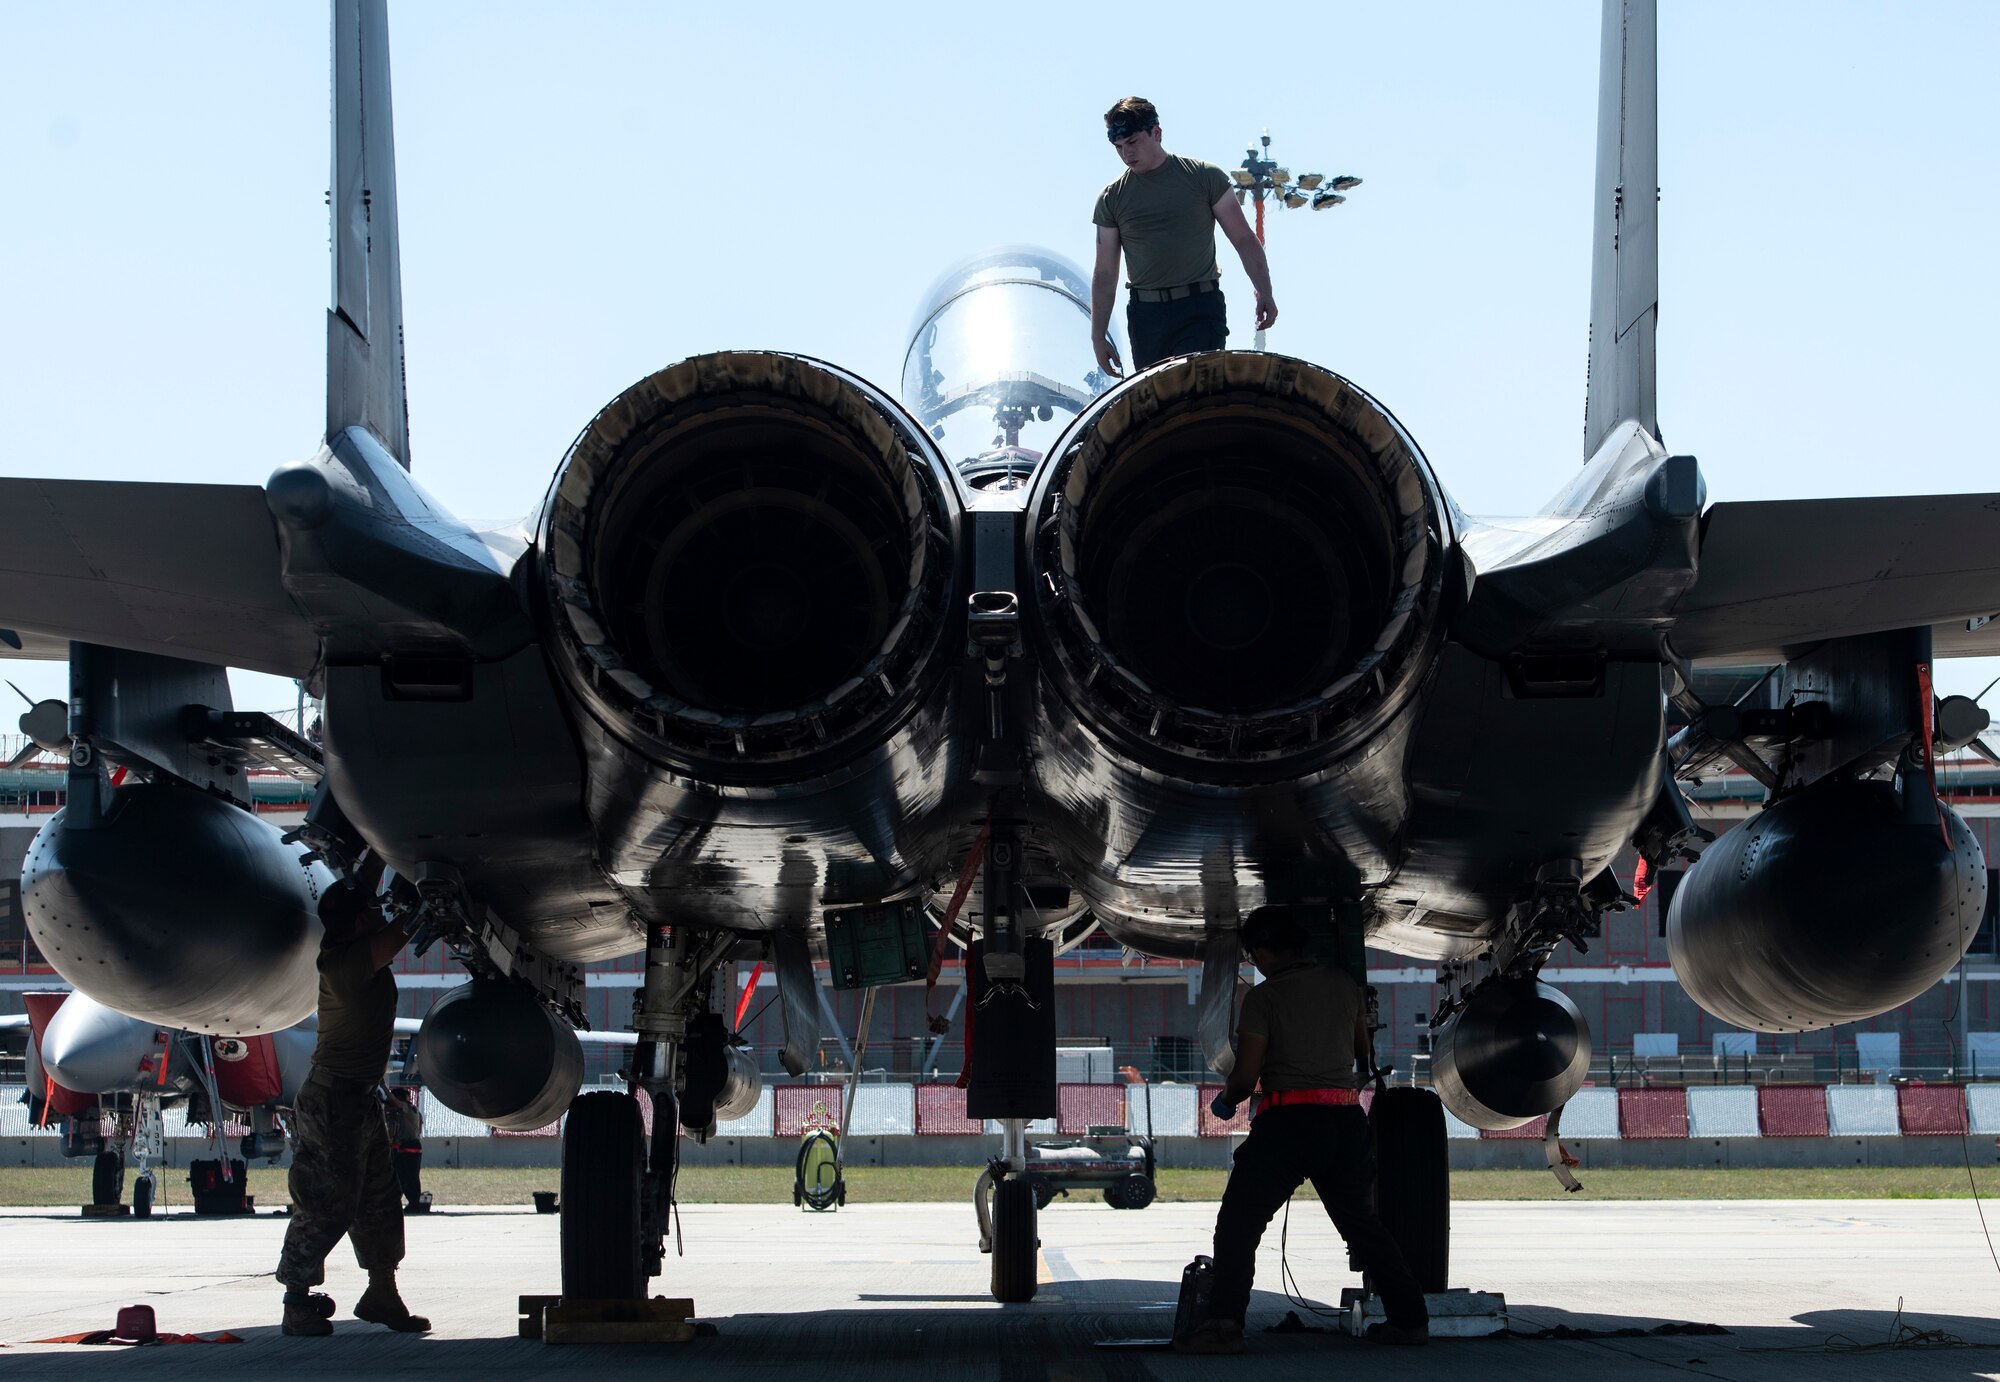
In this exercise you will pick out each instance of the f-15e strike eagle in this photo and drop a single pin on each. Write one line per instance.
(102, 1080)
(780, 657)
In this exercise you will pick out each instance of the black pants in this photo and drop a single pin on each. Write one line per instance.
(410, 1171)
(1159, 330)
(1328, 1146)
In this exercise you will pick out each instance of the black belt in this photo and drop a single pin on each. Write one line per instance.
(1186, 290)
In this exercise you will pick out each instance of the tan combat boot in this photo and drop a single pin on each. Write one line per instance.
(382, 1304)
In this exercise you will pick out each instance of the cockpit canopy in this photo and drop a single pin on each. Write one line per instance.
(1000, 360)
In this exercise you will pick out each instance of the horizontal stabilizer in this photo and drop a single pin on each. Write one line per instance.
(188, 571)
(1784, 574)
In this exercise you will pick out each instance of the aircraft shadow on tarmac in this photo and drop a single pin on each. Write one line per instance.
(1057, 1334)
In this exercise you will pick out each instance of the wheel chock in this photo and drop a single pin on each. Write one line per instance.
(105, 1211)
(1455, 1314)
(661, 1320)
(532, 1309)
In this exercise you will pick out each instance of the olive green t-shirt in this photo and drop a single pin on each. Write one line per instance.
(1308, 1014)
(1165, 221)
(357, 1012)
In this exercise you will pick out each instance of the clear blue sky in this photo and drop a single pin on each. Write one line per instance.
(591, 191)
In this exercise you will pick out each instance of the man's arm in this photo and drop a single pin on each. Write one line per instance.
(1250, 1049)
(1229, 216)
(386, 944)
(1103, 296)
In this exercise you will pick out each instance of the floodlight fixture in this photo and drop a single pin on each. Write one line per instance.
(1294, 200)
(1311, 180)
(1242, 197)
(1281, 176)
(1322, 200)
(1242, 176)
(1345, 184)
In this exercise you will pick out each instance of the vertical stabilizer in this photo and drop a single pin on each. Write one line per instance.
(1625, 250)
(364, 329)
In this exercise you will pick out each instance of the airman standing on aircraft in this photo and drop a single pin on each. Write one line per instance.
(1301, 1033)
(342, 1181)
(1161, 213)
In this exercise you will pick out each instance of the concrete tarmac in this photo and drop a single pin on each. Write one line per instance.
(1809, 1290)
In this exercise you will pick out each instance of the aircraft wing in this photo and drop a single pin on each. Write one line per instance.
(188, 571)
(1788, 573)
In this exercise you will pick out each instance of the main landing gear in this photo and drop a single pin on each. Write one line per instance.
(617, 1179)
(617, 1182)
(107, 1178)
(603, 1188)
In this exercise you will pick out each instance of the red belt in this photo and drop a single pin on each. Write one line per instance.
(1338, 1098)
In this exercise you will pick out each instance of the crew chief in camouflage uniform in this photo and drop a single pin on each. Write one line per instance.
(342, 1181)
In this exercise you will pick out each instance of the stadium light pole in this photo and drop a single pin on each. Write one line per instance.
(1259, 178)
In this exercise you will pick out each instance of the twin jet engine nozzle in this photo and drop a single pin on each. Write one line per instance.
(750, 558)
(1238, 558)
(748, 563)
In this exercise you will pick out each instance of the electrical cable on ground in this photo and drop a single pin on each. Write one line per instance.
(1901, 1336)
(1965, 1123)
(1964, 944)
(1292, 1291)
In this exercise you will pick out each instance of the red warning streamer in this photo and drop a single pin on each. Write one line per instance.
(749, 992)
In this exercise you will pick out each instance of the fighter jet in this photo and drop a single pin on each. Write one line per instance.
(105, 1079)
(786, 666)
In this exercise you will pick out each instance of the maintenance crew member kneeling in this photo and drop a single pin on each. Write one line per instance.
(1300, 1035)
(342, 1183)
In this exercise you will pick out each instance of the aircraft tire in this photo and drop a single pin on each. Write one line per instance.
(1015, 1244)
(142, 1197)
(1044, 1192)
(603, 1162)
(1413, 1180)
(107, 1179)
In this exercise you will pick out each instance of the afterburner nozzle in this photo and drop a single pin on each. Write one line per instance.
(748, 557)
(1239, 556)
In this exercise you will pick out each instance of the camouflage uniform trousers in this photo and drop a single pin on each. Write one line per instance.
(342, 1182)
